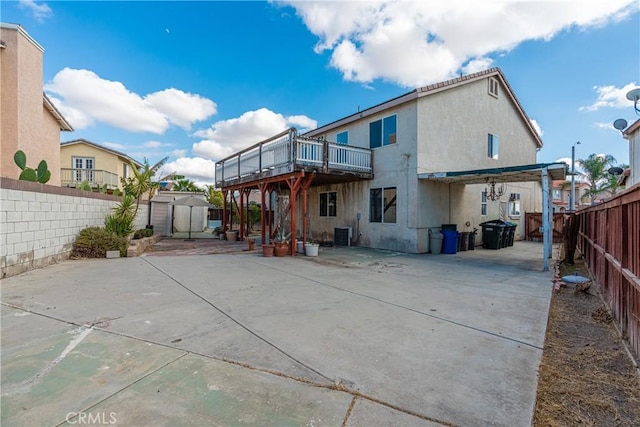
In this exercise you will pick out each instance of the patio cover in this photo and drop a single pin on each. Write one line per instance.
(544, 172)
(523, 173)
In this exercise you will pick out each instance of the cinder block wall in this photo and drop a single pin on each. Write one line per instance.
(39, 223)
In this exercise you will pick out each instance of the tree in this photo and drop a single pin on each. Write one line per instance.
(142, 180)
(214, 196)
(611, 183)
(595, 167)
(185, 185)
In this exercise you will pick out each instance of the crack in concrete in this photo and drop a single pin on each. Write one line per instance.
(335, 386)
(148, 374)
(349, 411)
(444, 319)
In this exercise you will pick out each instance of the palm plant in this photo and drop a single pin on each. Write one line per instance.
(142, 180)
(214, 196)
(595, 167)
(185, 185)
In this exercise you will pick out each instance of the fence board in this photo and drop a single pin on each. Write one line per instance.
(609, 239)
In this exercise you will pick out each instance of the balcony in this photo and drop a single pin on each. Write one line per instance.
(288, 152)
(96, 178)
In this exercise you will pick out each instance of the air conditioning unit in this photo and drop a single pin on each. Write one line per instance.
(342, 236)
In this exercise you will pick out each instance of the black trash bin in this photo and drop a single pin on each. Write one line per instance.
(464, 240)
(492, 233)
(512, 233)
(472, 239)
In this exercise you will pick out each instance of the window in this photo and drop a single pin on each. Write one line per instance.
(83, 168)
(126, 170)
(343, 138)
(483, 203)
(492, 146)
(493, 87)
(383, 132)
(514, 204)
(382, 205)
(328, 204)
(557, 195)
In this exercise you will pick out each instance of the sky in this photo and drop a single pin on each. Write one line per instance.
(198, 81)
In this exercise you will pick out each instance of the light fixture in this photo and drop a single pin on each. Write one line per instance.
(492, 192)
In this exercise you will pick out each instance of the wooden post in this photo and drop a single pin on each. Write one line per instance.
(545, 220)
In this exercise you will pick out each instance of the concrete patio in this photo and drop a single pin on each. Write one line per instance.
(354, 337)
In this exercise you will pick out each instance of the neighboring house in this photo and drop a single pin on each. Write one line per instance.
(83, 160)
(561, 195)
(28, 119)
(632, 133)
(391, 177)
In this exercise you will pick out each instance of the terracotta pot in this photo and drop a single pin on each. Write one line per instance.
(267, 250)
(281, 249)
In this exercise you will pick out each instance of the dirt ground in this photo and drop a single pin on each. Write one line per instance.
(586, 377)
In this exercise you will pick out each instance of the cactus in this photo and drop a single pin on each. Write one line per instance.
(42, 174)
(84, 185)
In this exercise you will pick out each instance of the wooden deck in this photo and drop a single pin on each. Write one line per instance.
(288, 152)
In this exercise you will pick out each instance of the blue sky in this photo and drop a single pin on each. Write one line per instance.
(197, 81)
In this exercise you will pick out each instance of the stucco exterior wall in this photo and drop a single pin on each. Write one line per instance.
(445, 131)
(39, 223)
(454, 124)
(26, 124)
(103, 160)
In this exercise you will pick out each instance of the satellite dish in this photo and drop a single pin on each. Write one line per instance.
(620, 124)
(615, 170)
(634, 94)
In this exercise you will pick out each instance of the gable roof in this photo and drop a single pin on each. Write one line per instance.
(100, 147)
(631, 129)
(430, 90)
(64, 124)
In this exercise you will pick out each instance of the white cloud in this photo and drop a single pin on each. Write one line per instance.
(225, 137)
(155, 144)
(40, 11)
(415, 43)
(194, 168)
(611, 97)
(114, 146)
(537, 127)
(179, 153)
(84, 98)
(182, 109)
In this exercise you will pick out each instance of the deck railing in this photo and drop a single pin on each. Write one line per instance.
(609, 239)
(72, 177)
(286, 152)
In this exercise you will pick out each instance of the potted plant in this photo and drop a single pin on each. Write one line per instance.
(311, 249)
(281, 242)
(268, 249)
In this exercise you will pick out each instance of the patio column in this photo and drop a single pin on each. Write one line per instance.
(225, 195)
(546, 243)
(241, 214)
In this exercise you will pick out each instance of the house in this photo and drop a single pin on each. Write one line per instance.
(83, 160)
(561, 195)
(632, 133)
(458, 152)
(28, 119)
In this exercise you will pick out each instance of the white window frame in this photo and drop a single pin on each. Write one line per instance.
(86, 170)
(483, 203)
(514, 206)
(493, 87)
(393, 138)
(327, 212)
(493, 146)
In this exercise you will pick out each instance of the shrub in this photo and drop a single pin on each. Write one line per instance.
(143, 232)
(120, 221)
(94, 242)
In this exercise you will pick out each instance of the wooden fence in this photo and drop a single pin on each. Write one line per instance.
(533, 224)
(609, 239)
